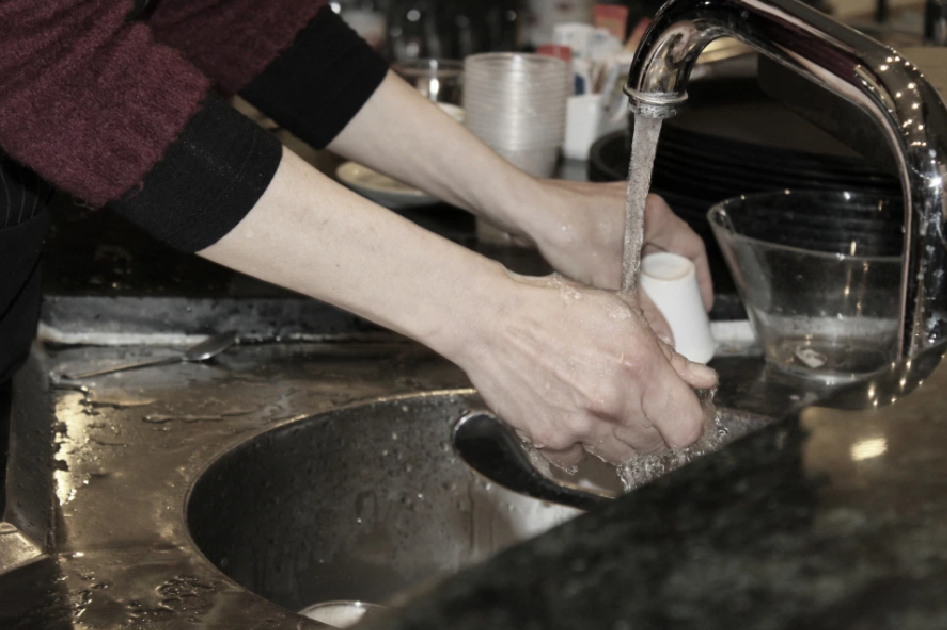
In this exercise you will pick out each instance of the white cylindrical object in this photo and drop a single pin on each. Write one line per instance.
(583, 120)
(670, 281)
(516, 101)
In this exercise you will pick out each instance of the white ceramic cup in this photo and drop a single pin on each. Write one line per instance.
(670, 281)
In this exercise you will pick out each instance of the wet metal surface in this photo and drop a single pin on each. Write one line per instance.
(130, 448)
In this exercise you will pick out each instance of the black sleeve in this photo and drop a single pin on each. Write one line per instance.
(23, 227)
(207, 181)
(222, 162)
(316, 86)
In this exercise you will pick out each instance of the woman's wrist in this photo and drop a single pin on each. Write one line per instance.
(534, 209)
(461, 315)
(517, 204)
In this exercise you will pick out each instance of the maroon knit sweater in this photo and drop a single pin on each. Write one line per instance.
(92, 100)
(122, 112)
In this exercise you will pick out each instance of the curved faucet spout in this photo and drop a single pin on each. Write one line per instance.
(909, 110)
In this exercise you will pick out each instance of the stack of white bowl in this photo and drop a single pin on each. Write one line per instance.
(516, 104)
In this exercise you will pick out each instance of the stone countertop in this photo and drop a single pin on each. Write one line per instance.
(835, 517)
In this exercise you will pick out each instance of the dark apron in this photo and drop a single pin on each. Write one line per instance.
(24, 223)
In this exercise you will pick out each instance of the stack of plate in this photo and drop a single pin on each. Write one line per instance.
(733, 140)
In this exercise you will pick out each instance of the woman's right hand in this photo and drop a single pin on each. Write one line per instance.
(570, 367)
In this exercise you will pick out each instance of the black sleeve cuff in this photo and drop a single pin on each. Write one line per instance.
(316, 86)
(208, 180)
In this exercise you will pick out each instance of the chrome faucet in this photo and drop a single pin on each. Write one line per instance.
(876, 78)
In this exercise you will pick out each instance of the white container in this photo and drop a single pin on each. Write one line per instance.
(516, 102)
(583, 118)
(670, 281)
(586, 122)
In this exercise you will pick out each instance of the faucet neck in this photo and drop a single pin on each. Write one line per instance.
(877, 79)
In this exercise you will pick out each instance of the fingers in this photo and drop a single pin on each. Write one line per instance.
(569, 458)
(696, 375)
(704, 281)
(668, 231)
(655, 318)
(640, 440)
(672, 407)
(606, 444)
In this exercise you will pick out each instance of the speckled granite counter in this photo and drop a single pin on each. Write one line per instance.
(835, 518)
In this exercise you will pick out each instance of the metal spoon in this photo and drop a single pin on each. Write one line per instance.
(203, 351)
(489, 448)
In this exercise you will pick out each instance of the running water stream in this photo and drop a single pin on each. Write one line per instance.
(644, 144)
(645, 468)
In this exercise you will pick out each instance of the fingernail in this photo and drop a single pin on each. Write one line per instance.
(703, 372)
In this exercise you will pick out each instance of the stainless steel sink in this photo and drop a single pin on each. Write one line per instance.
(359, 503)
(363, 503)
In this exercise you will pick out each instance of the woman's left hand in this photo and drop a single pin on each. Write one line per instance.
(581, 234)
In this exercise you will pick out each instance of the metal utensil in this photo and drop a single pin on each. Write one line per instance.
(203, 351)
(489, 448)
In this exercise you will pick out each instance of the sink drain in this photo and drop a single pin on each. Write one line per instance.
(340, 613)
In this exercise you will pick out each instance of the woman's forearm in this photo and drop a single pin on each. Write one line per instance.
(402, 134)
(564, 371)
(311, 235)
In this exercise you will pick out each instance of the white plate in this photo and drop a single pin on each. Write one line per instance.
(382, 189)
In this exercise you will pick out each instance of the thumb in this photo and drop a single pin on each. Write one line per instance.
(697, 375)
(655, 319)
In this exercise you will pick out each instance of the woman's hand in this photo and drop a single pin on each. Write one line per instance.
(569, 367)
(581, 233)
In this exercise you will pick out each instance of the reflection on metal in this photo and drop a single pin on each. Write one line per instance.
(869, 449)
(362, 502)
(889, 420)
(16, 549)
(876, 78)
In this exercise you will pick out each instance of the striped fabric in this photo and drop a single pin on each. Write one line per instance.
(23, 193)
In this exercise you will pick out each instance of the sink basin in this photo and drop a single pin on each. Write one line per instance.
(362, 503)
(356, 504)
